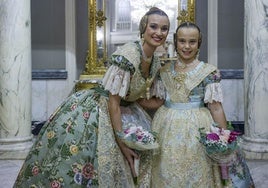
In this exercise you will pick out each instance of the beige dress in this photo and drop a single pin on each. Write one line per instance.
(181, 161)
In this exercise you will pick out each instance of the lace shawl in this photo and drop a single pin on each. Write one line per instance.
(205, 78)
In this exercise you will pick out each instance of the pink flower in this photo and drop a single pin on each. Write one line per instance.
(86, 115)
(35, 170)
(126, 131)
(88, 171)
(235, 133)
(233, 136)
(55, 184)
(213, 136)
(73, 107)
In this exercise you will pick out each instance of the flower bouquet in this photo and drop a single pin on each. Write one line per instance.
(138, 138)
(220, 145)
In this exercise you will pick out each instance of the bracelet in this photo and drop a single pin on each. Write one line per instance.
(119, 134)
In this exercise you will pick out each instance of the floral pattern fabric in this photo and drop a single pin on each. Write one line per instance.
(181, 160)
(76, 147)
(64, 153)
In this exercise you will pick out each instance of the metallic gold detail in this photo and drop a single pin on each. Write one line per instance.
(187, 15)
(100, 18)
(94, 67)
(87, 82)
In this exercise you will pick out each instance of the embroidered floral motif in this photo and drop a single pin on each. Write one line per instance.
(122, 62)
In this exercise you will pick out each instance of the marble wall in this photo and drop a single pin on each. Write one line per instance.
(15, 78)
(47, 95)
(256, 76)
(233, 103)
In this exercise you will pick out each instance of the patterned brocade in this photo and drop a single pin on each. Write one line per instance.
(181, 160)
(178, 131)
(77, 148)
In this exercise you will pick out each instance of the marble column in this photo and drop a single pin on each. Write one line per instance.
(255, 139)
(15, 79)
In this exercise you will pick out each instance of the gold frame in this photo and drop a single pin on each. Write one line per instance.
(94, 68)
(96, 18)
(188, 15)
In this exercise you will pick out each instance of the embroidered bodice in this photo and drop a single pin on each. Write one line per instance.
(199, 84)
(124, 75)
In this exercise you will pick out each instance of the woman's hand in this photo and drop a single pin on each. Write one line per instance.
(129, 154)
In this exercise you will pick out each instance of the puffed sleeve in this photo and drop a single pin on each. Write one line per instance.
(213, 89)
(117, 78)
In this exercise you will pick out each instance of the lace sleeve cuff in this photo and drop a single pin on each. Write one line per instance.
(213, 93)
(116, 81)
(158, 89)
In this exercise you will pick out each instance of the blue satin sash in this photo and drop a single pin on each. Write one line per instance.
(184, 106)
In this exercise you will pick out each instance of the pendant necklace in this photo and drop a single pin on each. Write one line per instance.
(148, 86)
(149, 79)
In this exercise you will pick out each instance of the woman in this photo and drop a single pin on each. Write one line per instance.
(77, 147)
(194, 100)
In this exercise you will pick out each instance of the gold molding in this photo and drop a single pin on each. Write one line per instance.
(93, 67)
(187, 15)
(100, 18)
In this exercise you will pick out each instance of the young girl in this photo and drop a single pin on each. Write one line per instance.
(194, 100)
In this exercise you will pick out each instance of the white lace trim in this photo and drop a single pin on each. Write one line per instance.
(213, 93)
(158, 89)
(116, 81)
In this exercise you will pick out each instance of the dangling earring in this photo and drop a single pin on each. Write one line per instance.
(197, 54)
(142, 40)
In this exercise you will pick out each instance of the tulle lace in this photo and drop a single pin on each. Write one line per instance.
(116, 80)
(213, 92)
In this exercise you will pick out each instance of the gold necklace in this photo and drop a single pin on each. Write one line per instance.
(186, 65)
(148, 86)
(179, 78)
(146, 59)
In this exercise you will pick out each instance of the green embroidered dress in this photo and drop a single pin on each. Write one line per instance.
(77, 148)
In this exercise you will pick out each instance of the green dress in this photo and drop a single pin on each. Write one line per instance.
(76, 147)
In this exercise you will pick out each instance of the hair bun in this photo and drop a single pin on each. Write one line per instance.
(153, 9)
